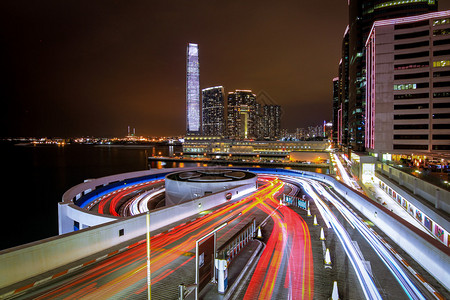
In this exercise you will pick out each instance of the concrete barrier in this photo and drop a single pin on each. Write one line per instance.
(437, 216)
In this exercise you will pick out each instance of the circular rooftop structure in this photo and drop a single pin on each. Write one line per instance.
(187, 185)
(210, 175)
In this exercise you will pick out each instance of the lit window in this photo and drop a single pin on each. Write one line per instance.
(394, 3)
(441, 63)
(444, 31)
(407, 86)
(441, 22)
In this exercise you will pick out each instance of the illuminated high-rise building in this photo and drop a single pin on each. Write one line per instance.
(362, 14)
(213, 111)
(241, 114)
(342, 105)
(335, 110)
(259, 121)
(408, 85)
(192, 90)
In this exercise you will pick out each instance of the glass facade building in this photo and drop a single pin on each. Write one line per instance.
(342, 105)
(192, 90)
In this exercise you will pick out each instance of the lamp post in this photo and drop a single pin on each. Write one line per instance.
(149, 280)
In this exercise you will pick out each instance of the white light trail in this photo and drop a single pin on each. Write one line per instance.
(364, 278)
(385, 255)
(139, 204)
(342, 171)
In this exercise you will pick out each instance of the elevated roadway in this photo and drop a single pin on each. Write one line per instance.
(123, 275)
(285, 268)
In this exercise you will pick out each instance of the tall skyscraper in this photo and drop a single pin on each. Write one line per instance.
(342, 126)
(272, 121)
(213, 111)
(335, 109)
(241, 114)
(362, 14)
(408, 85)
(192, 90)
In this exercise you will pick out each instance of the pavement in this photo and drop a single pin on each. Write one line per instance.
(241, 268)
(341, 270)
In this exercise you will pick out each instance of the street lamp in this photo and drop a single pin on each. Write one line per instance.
(149, 279)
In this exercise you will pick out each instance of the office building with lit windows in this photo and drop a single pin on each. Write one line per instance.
(192, 90)
(343, 87)
(408, 85)
(362, 14)
(241, 114)
(213, 111)
(259, 121)
(335, 110)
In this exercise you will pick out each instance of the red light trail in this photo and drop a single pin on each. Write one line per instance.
(172, 253)
(289, 248)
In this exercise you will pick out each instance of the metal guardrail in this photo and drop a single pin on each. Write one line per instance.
(236, 243)
(227, 252)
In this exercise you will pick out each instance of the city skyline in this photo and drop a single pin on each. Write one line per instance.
(92, 69)
(63, 72)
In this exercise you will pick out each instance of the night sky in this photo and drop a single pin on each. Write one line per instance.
(91, 68)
